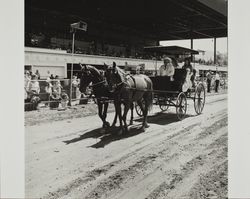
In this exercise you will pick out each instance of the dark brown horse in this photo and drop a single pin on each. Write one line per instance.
(100, 90)
(128, 89)
(90, 74)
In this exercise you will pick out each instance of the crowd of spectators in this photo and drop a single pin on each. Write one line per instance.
(53, 90)
(91, 47)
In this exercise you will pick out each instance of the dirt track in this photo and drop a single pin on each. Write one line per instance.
(172, 159)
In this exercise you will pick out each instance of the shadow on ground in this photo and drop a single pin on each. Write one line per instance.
(106, 138)
(111, 134)
(162, 118)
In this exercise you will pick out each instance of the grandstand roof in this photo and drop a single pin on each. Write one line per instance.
(158, 20)
(171, 50)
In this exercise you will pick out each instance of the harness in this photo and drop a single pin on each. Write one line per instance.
(125, 82)
(97, 83)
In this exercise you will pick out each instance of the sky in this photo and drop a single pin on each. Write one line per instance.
(200, 44)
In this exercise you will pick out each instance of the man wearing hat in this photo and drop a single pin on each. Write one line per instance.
(167, 69)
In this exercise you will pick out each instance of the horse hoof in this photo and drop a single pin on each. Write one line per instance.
(125, 130)
(107, 124)
(120, 132)
(143, 129)
(146, 125)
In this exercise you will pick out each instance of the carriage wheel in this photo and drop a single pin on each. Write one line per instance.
(181, 106)
(138, 109)
(199, 98)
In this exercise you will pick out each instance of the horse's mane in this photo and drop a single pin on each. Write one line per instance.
(94, 69)
(121, 72)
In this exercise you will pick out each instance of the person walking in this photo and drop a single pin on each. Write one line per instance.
(217, 81)
(209, 78)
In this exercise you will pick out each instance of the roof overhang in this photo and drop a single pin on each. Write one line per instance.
(155, 20)
(170, 50)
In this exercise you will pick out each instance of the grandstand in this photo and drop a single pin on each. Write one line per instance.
(117, 30)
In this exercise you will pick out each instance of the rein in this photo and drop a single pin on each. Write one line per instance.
(97, 83)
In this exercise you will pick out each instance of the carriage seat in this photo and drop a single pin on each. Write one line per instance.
(163, 83)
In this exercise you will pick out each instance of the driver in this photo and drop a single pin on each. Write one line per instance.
(167, 69)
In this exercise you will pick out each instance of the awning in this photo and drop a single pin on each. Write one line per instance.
(170, 50)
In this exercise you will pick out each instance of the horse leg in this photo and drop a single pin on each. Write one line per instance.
(139, 102)
(144, 111)
(127, 106)
(119, 114)
(145, 114)
(115, 118)
(100, 106)
(132, 113)
(106, 104)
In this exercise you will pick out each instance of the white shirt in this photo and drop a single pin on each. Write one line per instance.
(34, 86)
(217, 76)
(166, 70)
(48, 88)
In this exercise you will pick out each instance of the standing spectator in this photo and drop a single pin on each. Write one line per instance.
(57, 87)
(64, 99)
(34, 90)
(48, 89)
(209, 78)
(217, 81)
(38, 74)
(26, 84)
(34, 87)
(75, 87)
(52, 76)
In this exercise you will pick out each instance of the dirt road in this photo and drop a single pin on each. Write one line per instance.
(172, 159)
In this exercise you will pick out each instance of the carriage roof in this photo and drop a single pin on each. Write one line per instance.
(171, 50)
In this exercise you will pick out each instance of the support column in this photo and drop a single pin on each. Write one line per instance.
(192, 45)
(215, 50)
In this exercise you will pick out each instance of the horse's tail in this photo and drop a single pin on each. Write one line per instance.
(150, 94)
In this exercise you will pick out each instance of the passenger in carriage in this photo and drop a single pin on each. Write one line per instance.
(187, 65)
(167, 69)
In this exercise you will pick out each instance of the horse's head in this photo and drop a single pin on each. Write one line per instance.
(86, 78)
(113, 76)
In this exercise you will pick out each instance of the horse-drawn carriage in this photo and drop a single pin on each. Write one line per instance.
(169, 93)
(142, 90)
(175, 93)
